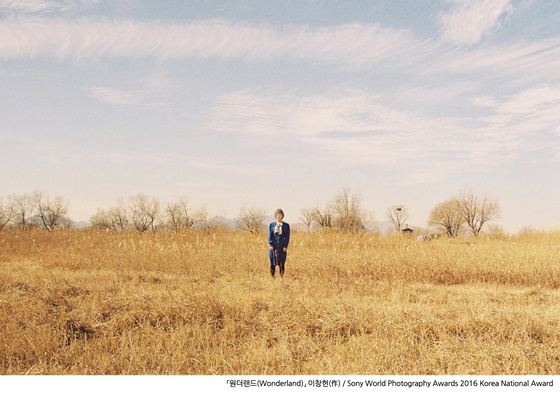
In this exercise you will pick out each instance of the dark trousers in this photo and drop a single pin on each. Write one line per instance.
(277, 258)
(273, 269)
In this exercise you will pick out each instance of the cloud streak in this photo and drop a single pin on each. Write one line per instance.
(470, 20)
(32, 6)
(529, 113)
(50, 7)
(524, 60)
(353, 44)
(357, 127)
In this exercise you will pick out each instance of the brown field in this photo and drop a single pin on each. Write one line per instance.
(196, 303)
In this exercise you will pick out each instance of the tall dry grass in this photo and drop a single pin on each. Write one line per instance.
(86, 302)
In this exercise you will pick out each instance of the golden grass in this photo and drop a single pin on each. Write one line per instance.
(86, 302)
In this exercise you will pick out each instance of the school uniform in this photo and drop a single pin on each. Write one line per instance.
(278, 238)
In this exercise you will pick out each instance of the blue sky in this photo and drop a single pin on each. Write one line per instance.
(270, 104)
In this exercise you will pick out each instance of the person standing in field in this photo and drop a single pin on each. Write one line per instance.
(278, 241)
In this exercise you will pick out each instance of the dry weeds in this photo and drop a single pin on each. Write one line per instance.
(86, 302)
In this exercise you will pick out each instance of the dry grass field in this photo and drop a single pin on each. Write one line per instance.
(196, 303)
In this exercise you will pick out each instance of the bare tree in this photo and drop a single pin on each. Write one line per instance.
(145, 212)
(446, 217)
(179, 215)
(202, 217)
(102, 219)
(115, 218)
(323, 217)
(306, 217)
(6, 213)
(251, 219)
(51, 212)
(397, 215)
(120, 216)
(201, 220)
(476, 211)
(349, 215)
(23, 209)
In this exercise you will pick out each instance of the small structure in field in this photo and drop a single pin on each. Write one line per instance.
(407, 231)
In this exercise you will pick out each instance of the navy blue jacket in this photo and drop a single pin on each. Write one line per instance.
(279, 241)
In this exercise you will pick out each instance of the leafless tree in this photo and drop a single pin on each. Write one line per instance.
(202, 217)
(446, 217)
(251, 219)
(397, 215)
(476, 211)
(6, 213)
(23, 209)
(347, 208)
(115, 218)
(179, 215)
(145, 213)
(51, 212)
(120, 216)
(306, 217)
(323, 217)
(102, 219)
(203, 221)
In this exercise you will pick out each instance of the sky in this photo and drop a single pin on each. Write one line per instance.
(266, 104)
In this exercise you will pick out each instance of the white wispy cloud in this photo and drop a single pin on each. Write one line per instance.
(470, 20)
(32, 6)
(341, 121)
(353, 44)
(524, 60)
(248, 113)
(47, 7)
(357, 127)
(426, 97)
(527, 113)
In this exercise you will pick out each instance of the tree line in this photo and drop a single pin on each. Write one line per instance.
(463, 213)
(145, 213)
(36, 209)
